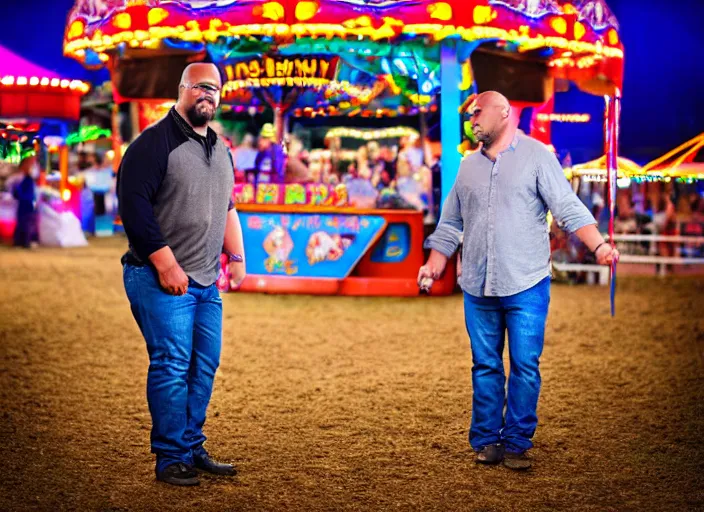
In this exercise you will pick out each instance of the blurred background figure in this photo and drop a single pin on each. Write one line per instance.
(296, 169)
(244, 157)
(25, 193)
(270, 161)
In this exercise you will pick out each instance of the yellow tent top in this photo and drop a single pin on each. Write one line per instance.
(679, 162)
(597, 169)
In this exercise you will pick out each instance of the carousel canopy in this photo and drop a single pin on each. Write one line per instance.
(579, 39)
(28, 90)
(596, 169)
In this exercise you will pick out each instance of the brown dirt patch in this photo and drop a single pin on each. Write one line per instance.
(340, 403)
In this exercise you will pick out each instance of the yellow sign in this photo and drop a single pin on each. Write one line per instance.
(291, 71)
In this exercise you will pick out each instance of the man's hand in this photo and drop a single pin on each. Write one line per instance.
(432, 270)
(606, 254)
(237, 272)
(174, 280)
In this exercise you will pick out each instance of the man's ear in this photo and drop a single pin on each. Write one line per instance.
(506, 112)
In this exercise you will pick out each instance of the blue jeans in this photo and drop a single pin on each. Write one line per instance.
(487, 319)
(184, 337)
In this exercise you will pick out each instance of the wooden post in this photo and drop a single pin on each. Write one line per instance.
(63, 168)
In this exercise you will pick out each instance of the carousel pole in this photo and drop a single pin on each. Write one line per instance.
(450, 78)
(279, 120)
(424, 138)
(41, 181)
(611, 153)
(63, 169)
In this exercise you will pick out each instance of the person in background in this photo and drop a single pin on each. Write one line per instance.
(98, 178)
(24, 191)
(360, 191)
(698, 209)
(296, 170)
(408, 187)
(362, 162)
(383, 169)
(245, 155)
(86, 160)
(270, 162)
(414, 152)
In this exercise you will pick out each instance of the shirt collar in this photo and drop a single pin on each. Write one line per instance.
(511, 147)
(514, 143)
(211, 136)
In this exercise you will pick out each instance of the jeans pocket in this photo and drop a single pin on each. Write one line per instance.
(136, 276)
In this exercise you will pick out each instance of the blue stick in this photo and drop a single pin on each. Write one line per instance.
(613, 289)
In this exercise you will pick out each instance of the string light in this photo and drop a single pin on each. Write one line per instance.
(23, 81)
(384, 133)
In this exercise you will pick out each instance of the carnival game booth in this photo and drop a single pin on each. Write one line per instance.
(428, 51)
(37, 109)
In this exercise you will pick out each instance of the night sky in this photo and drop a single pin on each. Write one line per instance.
(664, 82)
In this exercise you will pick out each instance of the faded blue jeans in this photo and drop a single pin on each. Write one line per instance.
(184, 338)
(488, 318)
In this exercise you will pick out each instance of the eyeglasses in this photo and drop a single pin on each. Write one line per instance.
(204, 87)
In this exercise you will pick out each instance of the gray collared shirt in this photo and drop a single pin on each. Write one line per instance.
(501, 206)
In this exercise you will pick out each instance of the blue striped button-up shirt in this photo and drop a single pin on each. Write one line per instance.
(501, 207)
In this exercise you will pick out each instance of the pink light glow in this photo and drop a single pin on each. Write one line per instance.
(13, 65)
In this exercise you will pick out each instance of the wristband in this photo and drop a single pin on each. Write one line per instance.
(597, 247)
(233, 258)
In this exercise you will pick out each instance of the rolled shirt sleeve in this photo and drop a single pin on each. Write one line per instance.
(448, 234)
(555, 190)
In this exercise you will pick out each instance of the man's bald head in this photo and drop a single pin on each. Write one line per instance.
(199, 93)
(201, 72)
(490, 116)
(493, 98)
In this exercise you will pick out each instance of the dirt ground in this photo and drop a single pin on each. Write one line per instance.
(333, 403)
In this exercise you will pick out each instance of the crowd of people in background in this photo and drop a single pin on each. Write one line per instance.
(395, 176)
(393, 173)
(658, 214)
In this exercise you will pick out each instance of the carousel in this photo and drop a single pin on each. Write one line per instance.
(376, 58)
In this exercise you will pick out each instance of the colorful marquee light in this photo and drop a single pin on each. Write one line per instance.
(30, 91)
(579, 27)
(369, 135)
(289, 71)
(44, 82)
(87, 134)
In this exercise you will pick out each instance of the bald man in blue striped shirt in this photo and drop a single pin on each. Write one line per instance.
(499, 205)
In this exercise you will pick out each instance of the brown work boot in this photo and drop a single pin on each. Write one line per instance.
(517, 461)
(490, 454)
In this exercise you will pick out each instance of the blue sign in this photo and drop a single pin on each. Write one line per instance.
(307, 244)
(394, 245)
